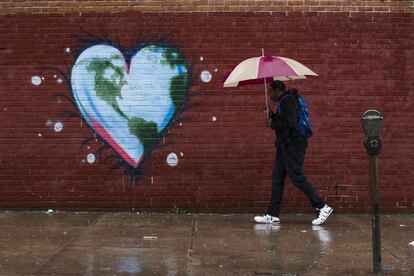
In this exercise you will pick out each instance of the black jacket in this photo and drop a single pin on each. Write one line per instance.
(288, 138)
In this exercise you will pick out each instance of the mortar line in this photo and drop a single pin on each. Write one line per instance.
(64, 246)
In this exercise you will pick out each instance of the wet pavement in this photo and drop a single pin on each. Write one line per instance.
(64, 243)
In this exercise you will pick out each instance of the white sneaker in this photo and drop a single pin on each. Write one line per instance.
(323, 214)
(266, 219)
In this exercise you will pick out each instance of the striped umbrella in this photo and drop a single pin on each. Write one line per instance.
(264, 69)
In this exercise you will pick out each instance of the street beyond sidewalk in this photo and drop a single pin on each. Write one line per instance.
(71, 243)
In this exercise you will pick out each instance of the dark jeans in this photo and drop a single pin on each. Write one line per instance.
(291, 164)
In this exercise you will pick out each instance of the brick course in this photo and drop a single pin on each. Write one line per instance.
(364, 60)
(42, 6)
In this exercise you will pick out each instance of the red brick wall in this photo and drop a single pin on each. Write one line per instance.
(364, 60)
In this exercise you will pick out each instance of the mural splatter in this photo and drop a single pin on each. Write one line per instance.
(130, 105)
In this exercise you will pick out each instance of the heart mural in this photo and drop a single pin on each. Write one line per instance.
(130, 106)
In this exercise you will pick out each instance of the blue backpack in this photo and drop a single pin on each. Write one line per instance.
(303, 125)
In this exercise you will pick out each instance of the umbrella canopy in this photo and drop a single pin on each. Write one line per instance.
(256, 70)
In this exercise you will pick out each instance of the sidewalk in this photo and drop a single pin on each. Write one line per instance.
(36, 243)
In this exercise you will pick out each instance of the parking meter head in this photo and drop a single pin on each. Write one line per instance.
(372, 122)
(372, 125)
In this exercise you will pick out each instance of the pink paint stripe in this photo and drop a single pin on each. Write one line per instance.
(102, 132)
(271, 66)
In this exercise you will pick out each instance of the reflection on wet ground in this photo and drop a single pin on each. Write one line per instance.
(197, 244)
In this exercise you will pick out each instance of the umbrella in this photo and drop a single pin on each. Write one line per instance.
(264, 69)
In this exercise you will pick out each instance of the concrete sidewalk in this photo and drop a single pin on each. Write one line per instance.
(36, 243)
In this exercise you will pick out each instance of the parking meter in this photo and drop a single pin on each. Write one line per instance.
(372, 125)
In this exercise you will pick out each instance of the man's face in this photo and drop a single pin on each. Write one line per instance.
(274, 94)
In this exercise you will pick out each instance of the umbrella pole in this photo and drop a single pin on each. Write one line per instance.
(267, 104)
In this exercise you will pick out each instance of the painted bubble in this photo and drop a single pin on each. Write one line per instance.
(36, 80)
(172, 159)
(205, 76)
(91, 158)
(58, 127)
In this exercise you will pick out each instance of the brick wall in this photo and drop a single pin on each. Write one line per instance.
(223, 151)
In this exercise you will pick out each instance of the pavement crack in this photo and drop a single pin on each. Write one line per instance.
(87, 228)
(369, 234)
(190, 250)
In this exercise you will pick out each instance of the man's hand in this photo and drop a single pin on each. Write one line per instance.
(268, 122)
(267, 111)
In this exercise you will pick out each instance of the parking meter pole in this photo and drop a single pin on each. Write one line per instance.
(372, 121)
(376, 222)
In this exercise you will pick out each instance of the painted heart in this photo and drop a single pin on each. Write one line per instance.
(130, 107)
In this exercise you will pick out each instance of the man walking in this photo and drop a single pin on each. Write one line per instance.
(291, 145)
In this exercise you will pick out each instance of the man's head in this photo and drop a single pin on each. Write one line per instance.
(276, 88)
